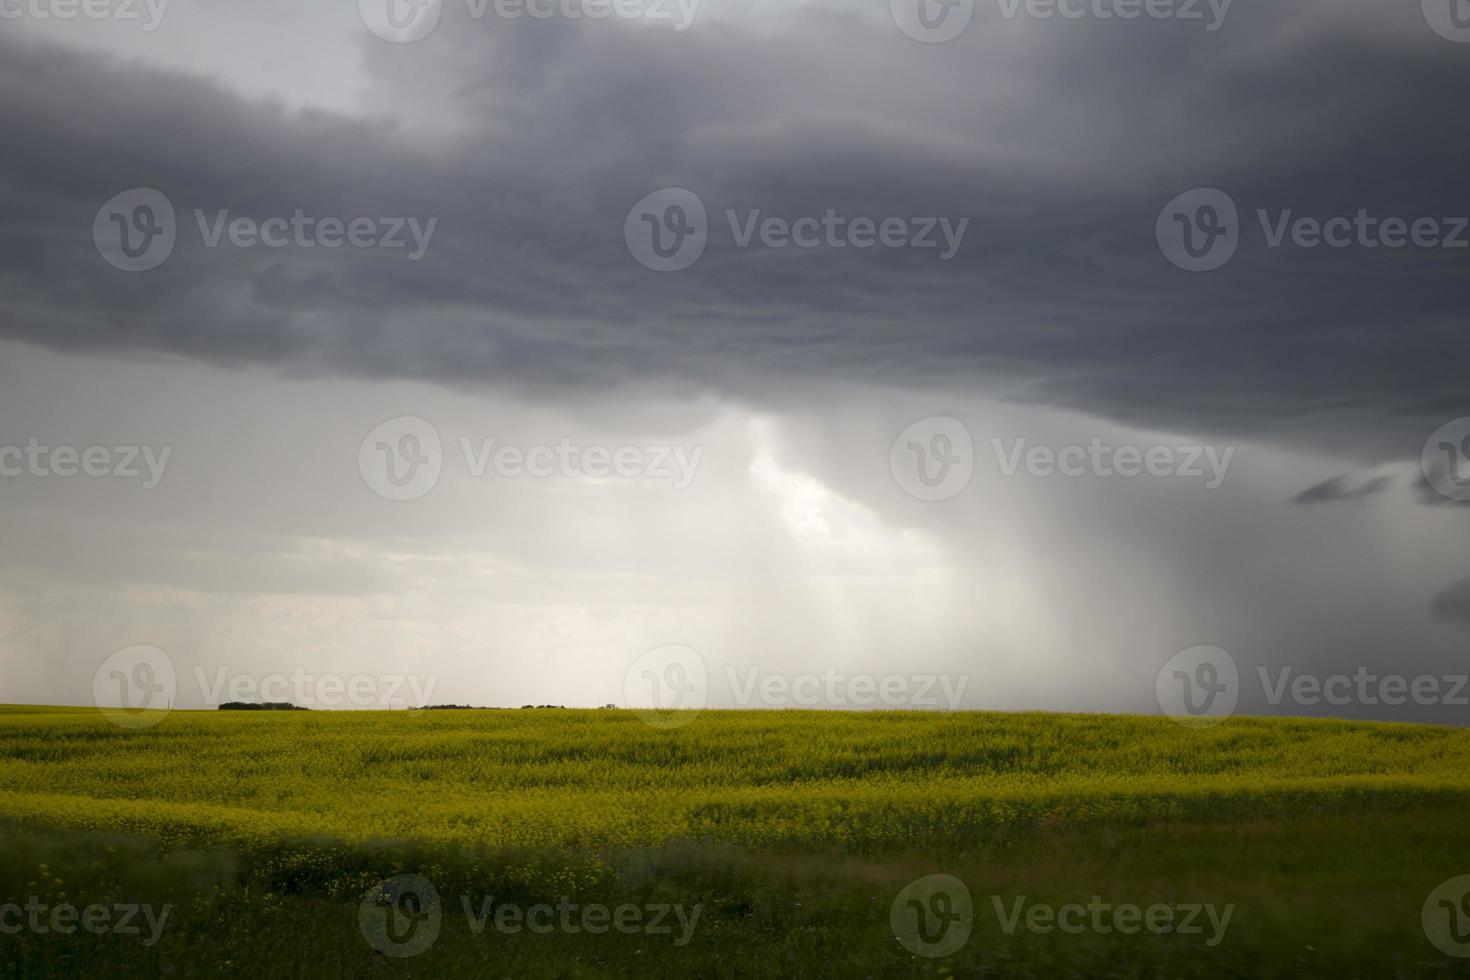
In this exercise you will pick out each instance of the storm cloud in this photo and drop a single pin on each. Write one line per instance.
(530, 140)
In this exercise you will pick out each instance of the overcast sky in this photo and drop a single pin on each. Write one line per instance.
(305, 261)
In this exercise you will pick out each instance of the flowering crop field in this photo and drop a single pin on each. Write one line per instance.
(794, 832)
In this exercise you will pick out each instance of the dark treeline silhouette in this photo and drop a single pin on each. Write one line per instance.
(267, 706)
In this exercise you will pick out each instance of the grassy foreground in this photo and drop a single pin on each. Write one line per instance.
(776, 843)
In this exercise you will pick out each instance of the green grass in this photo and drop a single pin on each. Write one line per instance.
(793, 831)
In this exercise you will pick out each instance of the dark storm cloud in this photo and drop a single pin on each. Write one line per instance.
(1453, 604)
(1341, 488)
(529, 141)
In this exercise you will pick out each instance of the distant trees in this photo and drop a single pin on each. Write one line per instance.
(267, 706)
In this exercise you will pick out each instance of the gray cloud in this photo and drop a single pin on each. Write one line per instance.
(1341, 488)
(530, 140)
(1453, 603)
